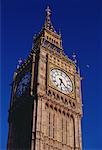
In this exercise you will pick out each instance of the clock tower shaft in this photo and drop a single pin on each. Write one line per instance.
(45, 113)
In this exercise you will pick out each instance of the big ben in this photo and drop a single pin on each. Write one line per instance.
(46, 105)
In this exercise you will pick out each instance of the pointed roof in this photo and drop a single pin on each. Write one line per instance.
(48, 24)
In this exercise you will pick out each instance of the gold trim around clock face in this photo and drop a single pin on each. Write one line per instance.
(66, 86)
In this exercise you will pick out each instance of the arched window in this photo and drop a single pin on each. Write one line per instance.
(49, 124)
(62, 130)
(72, 132)
(53, 125)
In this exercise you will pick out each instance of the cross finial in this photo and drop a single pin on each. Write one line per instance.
(48, 11)
(74, 58)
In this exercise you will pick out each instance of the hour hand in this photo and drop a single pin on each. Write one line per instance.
(60, 81)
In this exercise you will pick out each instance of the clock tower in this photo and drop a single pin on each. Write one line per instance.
(46, 106)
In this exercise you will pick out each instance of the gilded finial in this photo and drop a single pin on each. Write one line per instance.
(20, 62)
(48, 11)
(60, 33)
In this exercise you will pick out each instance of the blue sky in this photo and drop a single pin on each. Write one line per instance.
(80, 22)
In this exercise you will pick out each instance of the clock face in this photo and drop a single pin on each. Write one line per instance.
(23, 84)
(61, 81)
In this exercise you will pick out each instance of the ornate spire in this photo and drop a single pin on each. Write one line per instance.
(48, 23)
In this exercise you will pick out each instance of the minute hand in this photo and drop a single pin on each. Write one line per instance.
(62, 82)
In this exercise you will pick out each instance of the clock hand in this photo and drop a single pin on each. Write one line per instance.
(62, 82)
